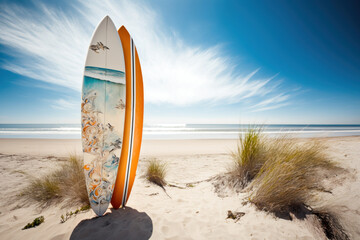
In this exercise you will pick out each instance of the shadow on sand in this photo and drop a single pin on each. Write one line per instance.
(123, 223)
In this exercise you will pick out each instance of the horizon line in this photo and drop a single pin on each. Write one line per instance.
(172, 124)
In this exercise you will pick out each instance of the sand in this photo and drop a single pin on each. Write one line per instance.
(194, 211)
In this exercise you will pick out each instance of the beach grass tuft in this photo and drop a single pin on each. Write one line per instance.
(284, 175)
(156, 172)
(65, 184)
(248, 157)
(290, 176)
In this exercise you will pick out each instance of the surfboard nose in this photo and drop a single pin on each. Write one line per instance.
(107, 19)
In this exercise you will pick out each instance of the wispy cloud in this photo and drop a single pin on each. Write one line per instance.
(64, 104)
(273, 102)
(50, 45)
(47, 44)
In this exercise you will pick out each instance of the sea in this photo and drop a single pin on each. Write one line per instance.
(183, 131)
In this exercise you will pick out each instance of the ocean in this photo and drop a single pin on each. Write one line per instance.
(181, 131)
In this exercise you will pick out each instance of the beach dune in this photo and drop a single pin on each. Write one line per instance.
(191, 209)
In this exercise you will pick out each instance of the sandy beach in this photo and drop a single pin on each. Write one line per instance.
(192, 210)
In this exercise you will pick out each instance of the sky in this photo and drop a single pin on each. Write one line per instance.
(206, 61)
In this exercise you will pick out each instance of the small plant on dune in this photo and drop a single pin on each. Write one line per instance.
(248, 157)
(67, 183)
(68, 215)
(290, 176)
(37, 221)
(156, 172)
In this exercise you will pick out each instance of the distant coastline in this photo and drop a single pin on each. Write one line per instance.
(183, 131)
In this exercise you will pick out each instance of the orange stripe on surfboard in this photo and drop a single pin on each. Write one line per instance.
(133, 119)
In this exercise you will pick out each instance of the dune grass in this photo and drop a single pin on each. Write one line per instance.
(156, 172)
(248, 157)
(290, 176)
(283, 174)
(65, 184)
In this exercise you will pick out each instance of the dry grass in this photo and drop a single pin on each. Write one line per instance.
(156, 172)
(248, 157)
(66, 184)
(284, 174)
(290, 176)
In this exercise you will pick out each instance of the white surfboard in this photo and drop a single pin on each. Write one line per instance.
(103, 113)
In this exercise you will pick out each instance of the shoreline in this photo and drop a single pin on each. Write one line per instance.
(65, 147)
(184, 131)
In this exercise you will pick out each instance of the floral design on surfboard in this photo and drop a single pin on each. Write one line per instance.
(102, 130)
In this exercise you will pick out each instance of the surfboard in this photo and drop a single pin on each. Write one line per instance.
(103, 113)
(133, 122)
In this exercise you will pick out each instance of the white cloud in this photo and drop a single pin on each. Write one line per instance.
(274, 102)
(47, 44)
(50, 45)
(63, 104)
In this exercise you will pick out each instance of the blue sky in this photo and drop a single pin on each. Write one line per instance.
(203, 61)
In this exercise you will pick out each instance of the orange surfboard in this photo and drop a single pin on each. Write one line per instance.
(134, 112)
